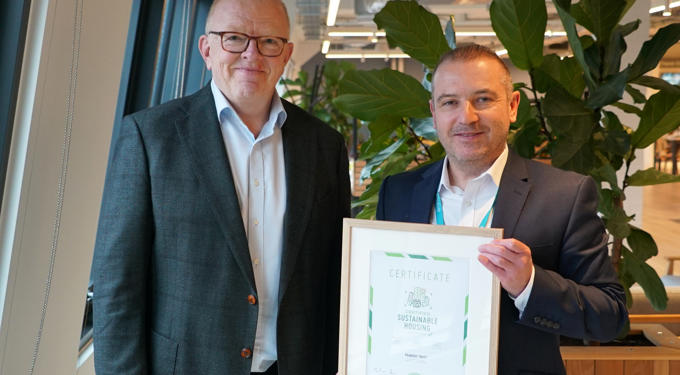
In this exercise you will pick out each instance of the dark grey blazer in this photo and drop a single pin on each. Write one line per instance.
(172, 270)
(576, 292)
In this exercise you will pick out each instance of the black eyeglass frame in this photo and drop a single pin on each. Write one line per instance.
(250, 37)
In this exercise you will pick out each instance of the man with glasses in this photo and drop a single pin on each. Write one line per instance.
(218, 249)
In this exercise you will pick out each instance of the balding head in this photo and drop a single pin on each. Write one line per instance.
(210, 24)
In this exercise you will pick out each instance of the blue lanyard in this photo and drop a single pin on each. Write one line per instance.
(439, 212)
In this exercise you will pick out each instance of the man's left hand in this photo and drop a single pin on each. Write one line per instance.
(510, 260)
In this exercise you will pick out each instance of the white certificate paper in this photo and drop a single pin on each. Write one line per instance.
(418, 314)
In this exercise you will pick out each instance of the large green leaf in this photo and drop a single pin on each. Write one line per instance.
(647, 278)
(424, 127)
(450, 33)
(641, 244)
(659, 116)
(384, 126)
(415, 30)
(524, 112)
(653, 50)
(525, 139)
(637, 95)
(606, 173)
(380, 158)
(569, 23)
(617, 223)
(616, 141)
(628, 108)
(600, 16)
(369, 94)
(605, 202)
(575, 157)
(520, 26)
(651, 177)
(568, 116)
(616, 47)
(609, 92)
(657, 83)
(555, 70)
(398, 164)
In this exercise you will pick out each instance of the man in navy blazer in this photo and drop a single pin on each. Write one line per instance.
(218, 249)
(552, 263)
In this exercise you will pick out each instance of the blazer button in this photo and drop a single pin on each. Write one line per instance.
(246, 353)
(251, 299)
(537, 319)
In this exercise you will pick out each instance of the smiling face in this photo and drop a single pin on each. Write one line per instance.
(246, 76)
(472, 109)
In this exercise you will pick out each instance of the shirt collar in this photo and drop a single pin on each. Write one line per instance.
(494, 172)
(277, 114)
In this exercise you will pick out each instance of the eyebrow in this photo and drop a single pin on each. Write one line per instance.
(478, 92)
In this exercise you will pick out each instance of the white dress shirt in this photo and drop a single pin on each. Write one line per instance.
(258, 170)
(469, 207)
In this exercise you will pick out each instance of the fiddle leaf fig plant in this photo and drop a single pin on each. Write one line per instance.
(568, 109)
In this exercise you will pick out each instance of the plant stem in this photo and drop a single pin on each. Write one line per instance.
(417, 138)
(541, 116)
(618, 241)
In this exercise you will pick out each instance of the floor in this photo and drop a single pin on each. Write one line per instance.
(661, 218)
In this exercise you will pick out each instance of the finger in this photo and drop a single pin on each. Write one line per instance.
(499, 262)
(500, 251)
(490, 266)
(513, 245)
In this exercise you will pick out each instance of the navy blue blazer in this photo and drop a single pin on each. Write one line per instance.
(576, 292)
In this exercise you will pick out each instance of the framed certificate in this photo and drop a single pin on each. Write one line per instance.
(416, 301)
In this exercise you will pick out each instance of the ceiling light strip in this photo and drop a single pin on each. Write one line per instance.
(548, 33)
(660, 8)
(366, 56)
(333, 6)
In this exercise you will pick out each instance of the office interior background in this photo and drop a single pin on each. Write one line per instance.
(71, 69)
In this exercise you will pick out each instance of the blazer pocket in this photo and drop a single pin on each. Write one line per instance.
(163, 354)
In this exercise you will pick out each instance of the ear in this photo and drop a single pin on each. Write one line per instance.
(434, 123)
(204, 50)
(514, 105)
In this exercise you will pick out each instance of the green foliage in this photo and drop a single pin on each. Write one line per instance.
(521, 24)
(415, 30)
(367, 94)
(318, 98)
(583, 135)
(565, 110)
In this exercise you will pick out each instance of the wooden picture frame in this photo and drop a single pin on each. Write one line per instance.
(415, 300)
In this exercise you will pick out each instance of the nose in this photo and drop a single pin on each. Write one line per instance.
(468, 114)
(251, 50)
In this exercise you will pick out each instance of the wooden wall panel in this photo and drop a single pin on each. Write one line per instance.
(609, 367)
(639, 367)
(580, 367)
(673, 367)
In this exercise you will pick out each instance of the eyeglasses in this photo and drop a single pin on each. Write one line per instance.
(269, 46)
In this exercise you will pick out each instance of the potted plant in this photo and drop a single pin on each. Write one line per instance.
(568, 118)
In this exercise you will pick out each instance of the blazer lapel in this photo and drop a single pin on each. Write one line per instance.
(300, 162)
(200, 132)
(512, 193)
(423, 193)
